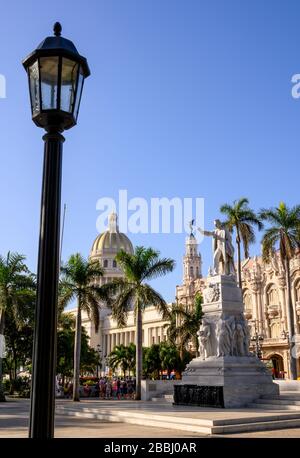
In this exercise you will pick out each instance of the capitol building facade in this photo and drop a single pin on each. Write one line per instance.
(264, 293)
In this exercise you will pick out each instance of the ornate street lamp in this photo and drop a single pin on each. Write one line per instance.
(56, 73)
(285, 336)
(257, 339)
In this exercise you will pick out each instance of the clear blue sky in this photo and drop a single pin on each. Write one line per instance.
(186, 98)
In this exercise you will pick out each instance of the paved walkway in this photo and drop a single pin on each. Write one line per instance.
(14, 423)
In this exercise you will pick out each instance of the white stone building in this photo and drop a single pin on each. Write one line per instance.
(104, 249)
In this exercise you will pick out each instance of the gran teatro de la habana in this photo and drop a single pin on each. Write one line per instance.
(264, 296)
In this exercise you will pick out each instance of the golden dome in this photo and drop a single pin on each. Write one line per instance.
(111, 241)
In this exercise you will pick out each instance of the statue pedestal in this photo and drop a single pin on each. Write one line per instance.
(225, 374)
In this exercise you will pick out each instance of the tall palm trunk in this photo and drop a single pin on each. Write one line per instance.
(139, 349)
(239, 264)
(291, 323)
(77, 348)
(2, 319)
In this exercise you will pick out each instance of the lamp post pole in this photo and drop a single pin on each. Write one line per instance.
(44, 352)
(257, 339)
(55, 68)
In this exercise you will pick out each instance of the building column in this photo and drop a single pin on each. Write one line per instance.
(161, 333)
(260, 313)
(132, 336)
(156, 335)
(283, 323)
(255, 308)
(108, 344)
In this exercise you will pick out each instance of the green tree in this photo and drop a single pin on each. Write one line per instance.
(184, 323)
(131, 357)
(65, 346)
(283, 234)
(89, 358)
(17, 287)
(242, 219)
(119, 358)
(132, 291)
(79, 280)
(152, 361)
(18, 342)
(169, 356)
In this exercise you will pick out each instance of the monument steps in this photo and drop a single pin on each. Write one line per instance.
(164, 417)
(291, 396)
(260, 404)
(164, 398)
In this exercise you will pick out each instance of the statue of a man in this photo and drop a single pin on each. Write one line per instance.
(223, 250)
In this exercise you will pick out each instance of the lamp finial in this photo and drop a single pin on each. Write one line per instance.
(57, 29)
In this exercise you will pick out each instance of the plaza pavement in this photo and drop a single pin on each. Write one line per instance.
(14, 415)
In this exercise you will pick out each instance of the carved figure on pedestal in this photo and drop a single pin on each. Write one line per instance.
(247, 338)
(224, 338)
(238, 340)
(223, 250)
(205, 340)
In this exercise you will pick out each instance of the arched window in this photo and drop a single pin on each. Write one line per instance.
(105, 263)
(248, 300)
(275, 330)
(272, 295)
(114, 263)
(197, 271)
(191, 271)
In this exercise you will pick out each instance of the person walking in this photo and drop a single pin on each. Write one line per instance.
(108, 390)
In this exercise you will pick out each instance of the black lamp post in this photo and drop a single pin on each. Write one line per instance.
(99, 351)
(56, 74)
(257, 339)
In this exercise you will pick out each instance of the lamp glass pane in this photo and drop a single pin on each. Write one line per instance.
(49, 77)
(79, 91)
(33, 73)
(68, 84)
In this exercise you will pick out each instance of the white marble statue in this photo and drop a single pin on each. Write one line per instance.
(223, 250)
(224, 339)
(205, 338)
(239, 340)
(224, 335)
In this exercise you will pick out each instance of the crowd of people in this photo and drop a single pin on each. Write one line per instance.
(116, 388)
(105, 388)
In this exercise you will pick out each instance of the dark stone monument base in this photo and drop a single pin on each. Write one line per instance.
(198, 395)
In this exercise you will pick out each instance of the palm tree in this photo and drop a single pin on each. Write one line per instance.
(152, 361)
(79, 280)
(241, 218)
(184, 324)
(17, 287)
(119, 358)
(131, 357)
(132, 292)
(283, 234)
(169, 356)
